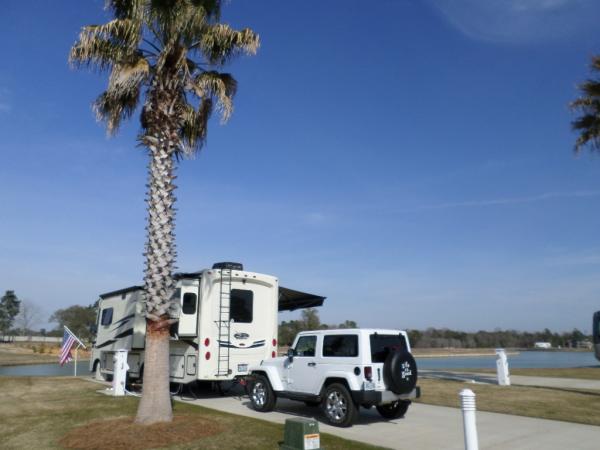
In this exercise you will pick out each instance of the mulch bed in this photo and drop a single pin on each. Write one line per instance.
(123, 433)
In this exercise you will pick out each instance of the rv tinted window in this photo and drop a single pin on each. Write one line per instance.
(340, 345)
(241, 305)
(383, 344)
(189, 303)
(306, 346)
(106, 316)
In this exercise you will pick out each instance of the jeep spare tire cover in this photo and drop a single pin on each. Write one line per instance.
(400, 372)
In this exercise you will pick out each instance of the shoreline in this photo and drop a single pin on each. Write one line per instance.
(461, 355)
(37, 363)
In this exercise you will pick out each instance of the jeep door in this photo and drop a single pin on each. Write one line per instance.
(302, 371)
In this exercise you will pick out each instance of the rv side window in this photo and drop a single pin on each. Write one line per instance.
(106, 316)
(341, 345)
(241, 302)
(189, 303)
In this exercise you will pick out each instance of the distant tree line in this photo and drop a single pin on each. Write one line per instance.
(309, 321)
(444, 338)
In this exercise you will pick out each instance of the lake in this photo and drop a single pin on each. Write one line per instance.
(524, 360)
(521, 361)
(45, 370)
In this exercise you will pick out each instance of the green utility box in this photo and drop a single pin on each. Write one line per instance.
(301, 434)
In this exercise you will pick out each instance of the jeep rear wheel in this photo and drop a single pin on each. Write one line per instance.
(393, 410)
(261, 394)
(338, 406)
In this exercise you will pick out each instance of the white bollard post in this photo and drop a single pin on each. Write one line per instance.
(502, 372)
(467, 403)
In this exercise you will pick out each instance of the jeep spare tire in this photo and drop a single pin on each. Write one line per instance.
(400, 372)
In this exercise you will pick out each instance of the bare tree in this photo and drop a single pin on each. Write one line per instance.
(28, 317)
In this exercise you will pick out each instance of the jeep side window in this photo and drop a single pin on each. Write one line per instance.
(340, 345)
(306, 346)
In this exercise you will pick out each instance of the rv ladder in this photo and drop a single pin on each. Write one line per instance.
(224, 323)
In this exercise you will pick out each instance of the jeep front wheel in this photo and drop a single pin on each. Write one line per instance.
(261, 394)
(393, 410)
(338, 406)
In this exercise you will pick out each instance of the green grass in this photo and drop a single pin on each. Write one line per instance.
(579, 406)
(36, 413)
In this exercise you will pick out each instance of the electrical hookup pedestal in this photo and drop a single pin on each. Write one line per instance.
(301, 434)
(120, 369)
(503, 374)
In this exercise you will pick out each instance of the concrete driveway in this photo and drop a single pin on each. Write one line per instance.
(429, 427)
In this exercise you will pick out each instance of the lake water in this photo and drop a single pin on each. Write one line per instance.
(523, 360)
(45, 370)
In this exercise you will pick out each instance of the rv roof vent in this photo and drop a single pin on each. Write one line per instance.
(228, 265)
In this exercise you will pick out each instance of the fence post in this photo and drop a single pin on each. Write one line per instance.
(467, 403)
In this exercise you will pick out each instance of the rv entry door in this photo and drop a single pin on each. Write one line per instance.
(188, 316)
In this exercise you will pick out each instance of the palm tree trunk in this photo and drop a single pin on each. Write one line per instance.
(155, 405)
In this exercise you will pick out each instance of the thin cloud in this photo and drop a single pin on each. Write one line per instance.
(506, 201)
(5, 107)
(519, 21)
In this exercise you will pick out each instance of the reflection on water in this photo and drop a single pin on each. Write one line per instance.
(523, 360)
(45, 370)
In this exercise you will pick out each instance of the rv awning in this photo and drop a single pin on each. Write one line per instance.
(290, 300)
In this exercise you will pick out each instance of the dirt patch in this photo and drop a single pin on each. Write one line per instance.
(123, 433)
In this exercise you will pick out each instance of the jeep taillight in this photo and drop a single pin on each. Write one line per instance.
(368, 370)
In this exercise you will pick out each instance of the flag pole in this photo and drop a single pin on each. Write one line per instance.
(76, 349)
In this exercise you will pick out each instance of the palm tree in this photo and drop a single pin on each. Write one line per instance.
(164, 56)
(588, 104)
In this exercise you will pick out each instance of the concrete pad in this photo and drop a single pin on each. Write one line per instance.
(428, 427)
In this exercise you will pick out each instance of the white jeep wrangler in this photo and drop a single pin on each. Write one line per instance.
(340, 370)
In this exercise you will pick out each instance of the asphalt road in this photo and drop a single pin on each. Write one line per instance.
(430, 427)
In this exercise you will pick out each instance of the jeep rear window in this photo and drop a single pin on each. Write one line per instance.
(340, 345)
(382, 344)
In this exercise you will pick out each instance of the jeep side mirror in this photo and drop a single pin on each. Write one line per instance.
(291, 353)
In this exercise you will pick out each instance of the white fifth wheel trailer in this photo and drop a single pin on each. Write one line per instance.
(227, 322)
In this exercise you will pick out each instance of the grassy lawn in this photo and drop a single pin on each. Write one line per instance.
(584, 373)
(578, 406)
(36, 413)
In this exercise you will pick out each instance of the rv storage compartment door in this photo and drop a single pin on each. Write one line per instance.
(188, 317)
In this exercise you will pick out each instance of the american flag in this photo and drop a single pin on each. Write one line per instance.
(69, 340)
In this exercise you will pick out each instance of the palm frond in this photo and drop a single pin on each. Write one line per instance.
(126, 9)
(195, 126)
(588, 105)
(115, 105)
(218, 86)
(219, 43)
(104, 45)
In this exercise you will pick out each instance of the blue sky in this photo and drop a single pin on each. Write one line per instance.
(412, 161)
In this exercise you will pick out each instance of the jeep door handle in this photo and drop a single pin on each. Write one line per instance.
(312, 364)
